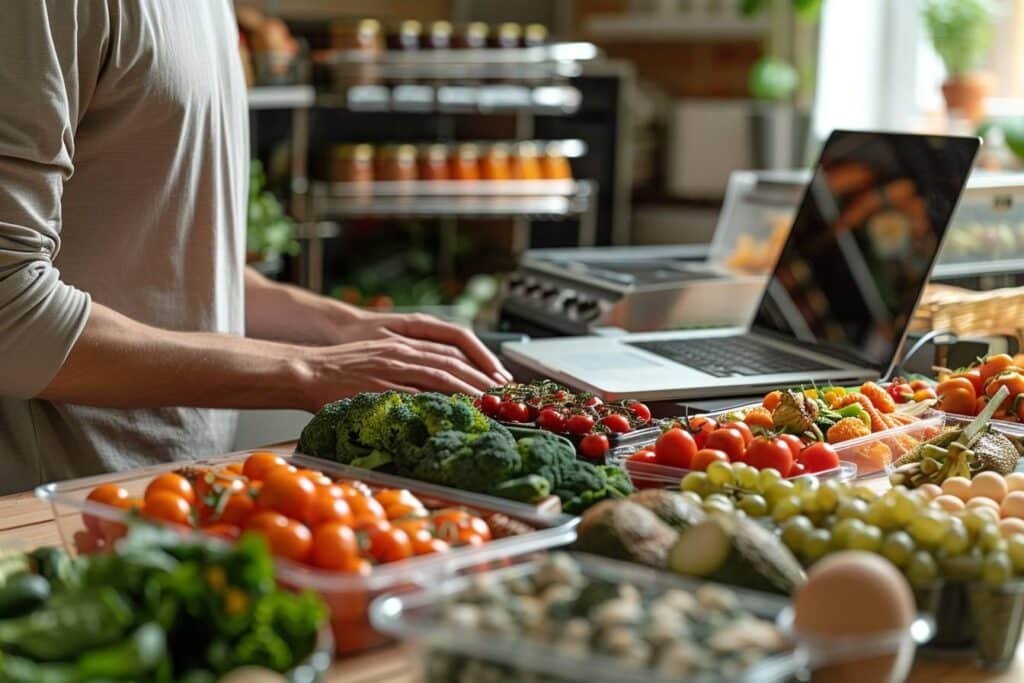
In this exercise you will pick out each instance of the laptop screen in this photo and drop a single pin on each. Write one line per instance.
(863, 242)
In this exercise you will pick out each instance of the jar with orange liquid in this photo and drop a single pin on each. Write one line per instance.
(554, 165)
(434, 163)
(465, 163)
(526, 162)
(352, 163)
(496, 164)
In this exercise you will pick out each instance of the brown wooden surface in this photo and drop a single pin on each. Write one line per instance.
(26, 522)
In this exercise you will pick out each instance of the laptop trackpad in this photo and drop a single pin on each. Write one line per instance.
(613, 360)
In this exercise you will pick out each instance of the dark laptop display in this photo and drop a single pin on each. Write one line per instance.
(863, 242)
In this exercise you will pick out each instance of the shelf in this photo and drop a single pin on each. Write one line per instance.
(692, 26)
(281, 97)
(555, 52)
(441, 199)
(957, 271)
(455, 99)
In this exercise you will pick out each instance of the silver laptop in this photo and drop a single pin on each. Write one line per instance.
(838, 304)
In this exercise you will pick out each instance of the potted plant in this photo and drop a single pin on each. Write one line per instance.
(961, 33)
(270, 232)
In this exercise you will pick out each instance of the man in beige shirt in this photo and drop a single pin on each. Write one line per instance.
(126, 312)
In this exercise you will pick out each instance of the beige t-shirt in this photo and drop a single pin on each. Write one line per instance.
(123, 171)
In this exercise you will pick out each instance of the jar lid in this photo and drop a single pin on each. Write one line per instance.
(498, 149)
(410, 26)
(361, 152)
(444, 27)
(526, 149)
(536, 32)
(510, 30)
(369, 27)
(469, 150)
(406, 151)
(436, 151)
(478, 29)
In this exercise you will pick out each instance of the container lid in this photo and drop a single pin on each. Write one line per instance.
(526, 149)
(362, 152)
(498, 149)
(435, 151)
(477, 29)
(468, 150)
(536, 33)
(441, 27)
(410, 27)
(510, 30)
(406, 152)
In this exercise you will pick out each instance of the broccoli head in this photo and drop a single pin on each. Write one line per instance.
(319, 438)
(474, 462)
(548, 456)
(365, 425)
(617, 482)
(426, 462)
(442, 413)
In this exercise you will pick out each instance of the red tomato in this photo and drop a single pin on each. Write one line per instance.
(797, 470)
(794, 443)
(513, 411)
(489, 404)
(237, 509)
(106, 494)
(900, 392)
(594, 446)
(705, 457)
(763, 453)
(617, 423)
(819, 457)
(174, 483)
(292, 541)
(334, 546)
(729, 440)
(592, 401)
(701, 427)
(579, 424)
(289, 493)
(675, 448)
(166, 506)
(228, 532)
(958, 399)
(644, 455)
(258, 465)
(743, 429)
(551, 420)
(640, 411)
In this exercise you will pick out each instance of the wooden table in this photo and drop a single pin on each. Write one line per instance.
(27, 522)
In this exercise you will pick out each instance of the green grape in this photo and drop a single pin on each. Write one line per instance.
(921, 570)
(865, 493)
(795, 530)
(720, 474)
(1015, 549)
(753, 504)
(990, 540)
(880, 513)
(897, 547)
(997, 569)
(975, 521)
(767, 477)
(809, 502)
(904, 508)
(928, 528)
(956, 541)
(828, 496)
(965, 567)
(852, 508)
(785, 508)
(842, 531)
(778, 491)
(717, 501)
(816, 544)
(747, 477)
(805, 484)
(694, 481)
(692, 497)
(868, 537)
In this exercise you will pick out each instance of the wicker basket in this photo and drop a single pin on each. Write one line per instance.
(968, 313)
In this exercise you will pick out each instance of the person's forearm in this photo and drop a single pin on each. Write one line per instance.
(120, 363)
(291, 314)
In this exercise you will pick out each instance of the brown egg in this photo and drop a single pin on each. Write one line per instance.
(851, 594)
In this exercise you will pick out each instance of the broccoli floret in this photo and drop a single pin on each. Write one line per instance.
(548, 456)
(443, 413)
(426, 463)
(365, 425)
(528, 489)
(617, 482)
(320, 437)
(481, 462)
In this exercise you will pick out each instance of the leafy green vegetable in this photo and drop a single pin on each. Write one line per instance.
(270, 231)
(68, 624)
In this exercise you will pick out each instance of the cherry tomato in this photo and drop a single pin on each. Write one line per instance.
(729, 440)
(489, 404)
(772, 400)
(592, 401)
(551, 420)
(258, 465)
(292, 541)
(513, 411)
(370, 525)
(237, 509)
(289, 493)
(993, 365)
(328, 508)
(391, 545)
(532, 412)
(743, 429)
(794, 443)
(675, 448)
(388, 497)
(334, 546)
(166, 506)
(105, 494)
(919, 384)
(561, 395)
(640, 411)
(174, 483)
(819, 457)
(401, 510)
(763, 453)
(973, 375)
(345, 490)
(234, 468)
(644, 455)
(900, 392)
(228, 532)
(958, 400)
(701, 427)
(797, 470)
(594, 446)
(579, 424)
(364, 507)
(428, 545)
(318, 478)
(414, 526)
(706, 456)
(617, 423)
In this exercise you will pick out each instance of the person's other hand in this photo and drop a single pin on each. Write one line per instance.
(393, 362)
(431, 335)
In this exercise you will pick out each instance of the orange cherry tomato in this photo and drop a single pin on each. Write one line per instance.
(388, 497)
(105, 494)
(318, 478)
(234, 468)
(370, 525)
(449, 515)
(228, 532)
(167, 506)
(327, 508)
(955, 383)
(959, 400)
(390, 545)
(346, 490)
(413, 525)
(237, 509)
(289, 493)
(995, 364)
(260, 464)
(399, 510)
(292, 541)
(357, 565)
(772, 400)
(479, 527)
(173, 483)
(744, 429)
(425, 544)
(705, 457)
(728, 440)
(334, 546)
(363, 506)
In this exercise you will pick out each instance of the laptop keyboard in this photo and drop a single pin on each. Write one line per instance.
(731, 356)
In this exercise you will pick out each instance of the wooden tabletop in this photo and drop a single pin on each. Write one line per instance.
(27, 522)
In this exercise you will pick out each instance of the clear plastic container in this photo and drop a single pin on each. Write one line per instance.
(418, 616)
(347, 595)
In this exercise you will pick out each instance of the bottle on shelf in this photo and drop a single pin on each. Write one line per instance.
(353, 164)
(434, 162)
(473, 37)
(535, 35)
(554, 165)
(508, 35)
(465, 162)
(526, 162)
(495, 164)
(407, 38)
(439, 37)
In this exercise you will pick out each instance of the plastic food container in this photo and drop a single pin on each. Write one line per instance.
(418, 616)
(649, 475)
(348, 596)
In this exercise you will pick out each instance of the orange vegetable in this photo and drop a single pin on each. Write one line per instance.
(959, 400)
(879, 397)
(995, 364)
(955, 383)
(772, 400)
(846, 429)
(877, 423)
(759, 417)
(1011, 379)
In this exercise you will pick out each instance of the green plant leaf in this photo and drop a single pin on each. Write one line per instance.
(960, 31)
(773, 80)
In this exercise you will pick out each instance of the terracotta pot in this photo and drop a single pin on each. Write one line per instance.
(965, 95)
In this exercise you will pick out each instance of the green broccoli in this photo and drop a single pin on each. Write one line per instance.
(443, 413)
(474, 462)
(528, 489)
(425, 462)
(617, 482)
(548, 456)
(365, 426)
(320, 437)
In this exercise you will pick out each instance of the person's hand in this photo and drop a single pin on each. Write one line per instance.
(430, 334)
(392, 362)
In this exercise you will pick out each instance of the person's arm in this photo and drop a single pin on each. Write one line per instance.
(287, 313)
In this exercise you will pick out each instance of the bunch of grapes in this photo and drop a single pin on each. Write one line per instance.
(816, 517)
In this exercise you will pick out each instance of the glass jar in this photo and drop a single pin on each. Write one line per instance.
(466, 163)
(535, 35)
(407, 37)
(554, 165)
(440, 36)
(473, 37)
(352, 164)
(508, 35)
(364, 37)
(495, 165)
(397, 163)
(434, 163)
(526, 162)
